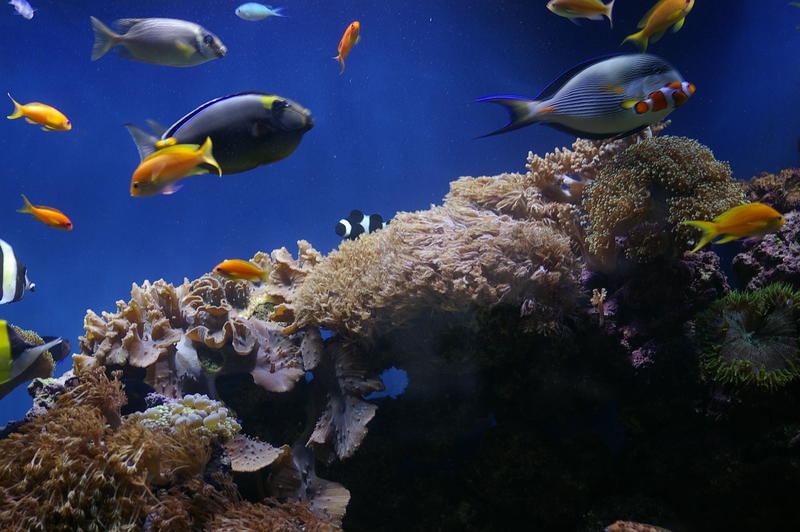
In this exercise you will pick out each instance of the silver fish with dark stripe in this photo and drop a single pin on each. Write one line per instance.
(13, 275)
(605, 97)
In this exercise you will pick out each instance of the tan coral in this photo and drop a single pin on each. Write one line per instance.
(250, 454)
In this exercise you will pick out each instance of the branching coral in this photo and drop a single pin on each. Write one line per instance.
(639, 199)
(750, 339)
(775, 258)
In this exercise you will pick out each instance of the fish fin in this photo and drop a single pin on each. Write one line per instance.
(574, 21)
(643, 22)
(104, 39)
(733, 212)
(28, 120)
(709, 229)
(518, 109)
(341, 62)
(729, 238)
(358, 40)
(609, 8)
(17, 108)
(171, 189)
(47, 128)
(208, 156)
(186, 49)
(27, 207)
(125, 24)
(155, 127)
(145, 142)
(29, 356)
(639, 39)
(657, 36)
(63, 349)
(678, 25)
(554, 86)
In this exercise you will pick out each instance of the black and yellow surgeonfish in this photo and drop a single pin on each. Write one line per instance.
(13, 275)
(249, 129)
(16, 355)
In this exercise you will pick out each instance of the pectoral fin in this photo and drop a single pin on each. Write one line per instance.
(729, 238)
(678, 25)
(28, 120)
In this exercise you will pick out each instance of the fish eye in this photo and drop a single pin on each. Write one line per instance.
(208, 39)
(279, 105)
(136, 185)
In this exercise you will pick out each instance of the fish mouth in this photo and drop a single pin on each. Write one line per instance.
(309, 123)
(220, 50)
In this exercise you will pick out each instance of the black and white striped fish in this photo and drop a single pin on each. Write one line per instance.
(358, 223)
(602, 98)
(13, 275)
(17, 355)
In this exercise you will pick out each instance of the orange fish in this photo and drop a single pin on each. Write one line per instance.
(47, 215)
(739, 222)
(657, 21)
(241, 269)
(350, 38)
(159, 172)
(49, 118)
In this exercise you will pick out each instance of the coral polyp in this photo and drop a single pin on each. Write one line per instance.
(750, 339)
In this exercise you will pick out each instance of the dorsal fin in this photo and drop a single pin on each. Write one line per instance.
(554, 86)
(174, 127)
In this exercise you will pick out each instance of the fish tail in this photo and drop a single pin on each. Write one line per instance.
(609, 7)
(264, 274)
(145, 142)
(341, 62)
(28, 207)
(17, 109)
(104, 39)
(710, 231)
(519, 110)
(208, 156)
(639, 39)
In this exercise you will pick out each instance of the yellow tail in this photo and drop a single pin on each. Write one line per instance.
(639, 39)
(710, 231)
(17, 109)
(340, 59)
(208, 157)
(28, 207)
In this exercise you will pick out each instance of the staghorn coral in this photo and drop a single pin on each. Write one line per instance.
(750, 339)
(772, 259)
(637, 201)
(781, 190)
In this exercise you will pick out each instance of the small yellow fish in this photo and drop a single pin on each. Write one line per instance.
(47, 215)
(591, 9)
(657, 21)
(739, 222)
(159, 172)
(241, 269)
(50, 118)
(351, 37)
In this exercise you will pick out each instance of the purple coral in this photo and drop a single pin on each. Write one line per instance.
(776, 258)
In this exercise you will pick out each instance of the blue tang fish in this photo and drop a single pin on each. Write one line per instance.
(255, 11)
(605, 97)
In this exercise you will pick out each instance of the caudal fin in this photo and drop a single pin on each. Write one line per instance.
(639, 39)
(709, 229)
(28, 207)
(518, 109)
(145, 142)
(609, 8)
(104, 39)
(208, 156)
(17, 109)
(340, 59)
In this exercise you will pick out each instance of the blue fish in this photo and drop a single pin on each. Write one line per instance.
(605, 97)
(255, 11)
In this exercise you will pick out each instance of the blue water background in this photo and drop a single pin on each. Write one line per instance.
(391, 132)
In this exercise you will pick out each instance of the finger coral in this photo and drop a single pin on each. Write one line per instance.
(750, 339)
(638, 201)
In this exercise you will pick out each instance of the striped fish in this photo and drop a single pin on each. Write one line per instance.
(605, 97)
(17, 355)
(13, 275)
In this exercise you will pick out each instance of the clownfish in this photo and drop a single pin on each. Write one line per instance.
(237, 270)
(739, 222)
(50, 118)
(351, 37)
(672, 94)
(47, 215)
(359, 223)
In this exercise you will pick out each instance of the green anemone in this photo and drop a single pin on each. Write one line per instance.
(750, 339)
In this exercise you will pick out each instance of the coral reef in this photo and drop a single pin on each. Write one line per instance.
(630, 526)
(638, 201)
(780, 191)
(773, 259)
(750, 339)
(205, 418)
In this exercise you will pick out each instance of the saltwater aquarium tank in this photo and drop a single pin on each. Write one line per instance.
(383, 265)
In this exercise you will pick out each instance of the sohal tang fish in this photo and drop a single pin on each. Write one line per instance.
(598, 99)
(248, 130)
(13, 275)
(160, 41)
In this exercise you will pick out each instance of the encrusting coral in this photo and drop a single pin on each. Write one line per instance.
(638, 201)
(751, 339)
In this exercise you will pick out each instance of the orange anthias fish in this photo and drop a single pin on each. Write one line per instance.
(657, 21)
(47, 215)
(739, 222)
(241, 269)
(574, 9)
(50, 118)
(159, 172)
(350, 38)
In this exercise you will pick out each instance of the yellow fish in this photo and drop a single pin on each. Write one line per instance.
(657, 21)
(739, 222)
(591, 9)
(237, 269)
(50, 118)
(159, 172)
